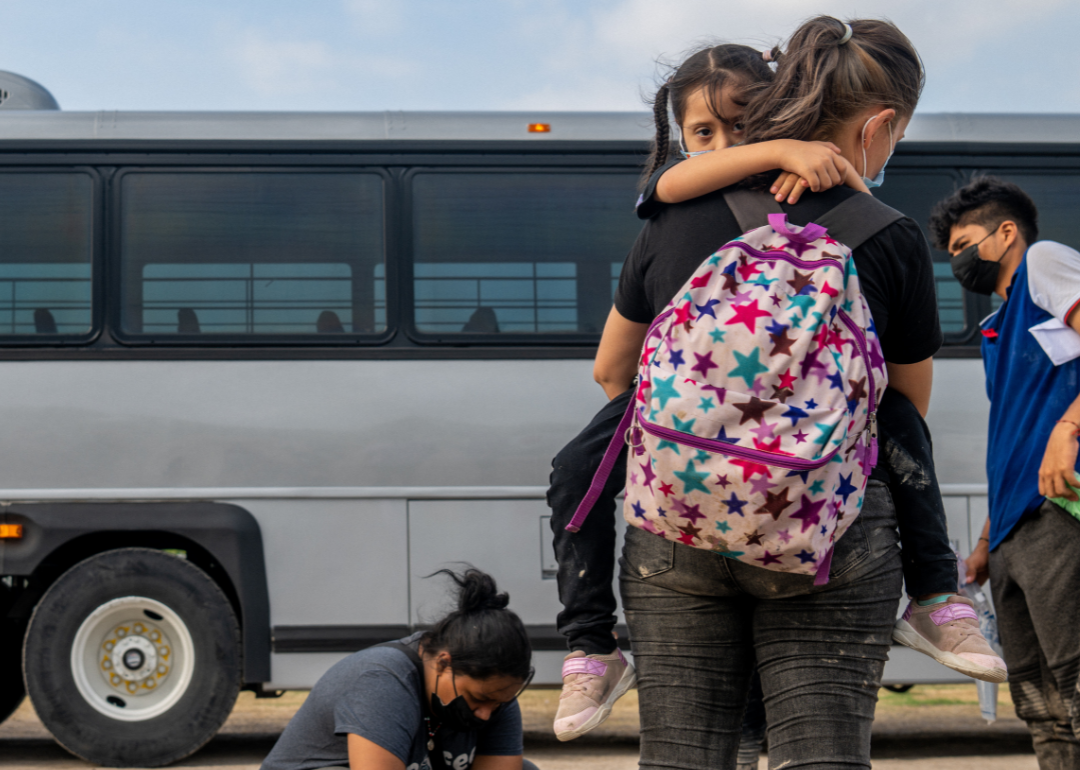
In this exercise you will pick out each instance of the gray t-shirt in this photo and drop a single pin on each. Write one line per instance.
(375, 693)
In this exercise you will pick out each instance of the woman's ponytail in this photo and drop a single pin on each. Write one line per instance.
(483, 637)
(830, 72)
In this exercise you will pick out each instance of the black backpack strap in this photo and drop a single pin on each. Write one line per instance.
(751, 208)
(853, 222)
(858, 219)
(410, 653)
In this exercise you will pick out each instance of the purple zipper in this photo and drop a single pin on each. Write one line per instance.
(871, 419)
(722, 447)
(860, 343)
(772, 256)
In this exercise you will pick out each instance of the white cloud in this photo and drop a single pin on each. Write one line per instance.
(285, 67)
(292, 67)
(589, 56)
(374, 17)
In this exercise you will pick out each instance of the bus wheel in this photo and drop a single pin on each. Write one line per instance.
(133, 658)
(12, 689)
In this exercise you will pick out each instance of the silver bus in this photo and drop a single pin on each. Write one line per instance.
(271, 369)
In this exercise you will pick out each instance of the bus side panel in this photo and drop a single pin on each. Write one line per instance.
(335, 562)
(212, 424)
(958, 418)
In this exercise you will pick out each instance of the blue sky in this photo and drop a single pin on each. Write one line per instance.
(981, 55)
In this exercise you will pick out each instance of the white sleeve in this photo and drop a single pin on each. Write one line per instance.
(1054, 277)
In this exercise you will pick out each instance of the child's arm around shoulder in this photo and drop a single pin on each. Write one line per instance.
(814, 165)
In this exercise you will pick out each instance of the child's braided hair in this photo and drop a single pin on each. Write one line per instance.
(711, 69)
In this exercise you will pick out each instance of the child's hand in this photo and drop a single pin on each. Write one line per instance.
(812, 165)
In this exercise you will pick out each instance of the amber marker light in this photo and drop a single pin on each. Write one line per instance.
(539, 128)
(11, 531)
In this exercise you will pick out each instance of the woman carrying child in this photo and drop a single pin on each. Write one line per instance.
(696, 621)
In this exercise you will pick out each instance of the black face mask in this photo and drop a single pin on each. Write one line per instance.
(456, 714)
(977, 275)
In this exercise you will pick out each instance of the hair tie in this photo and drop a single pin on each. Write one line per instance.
(847, 33)
(767, 55)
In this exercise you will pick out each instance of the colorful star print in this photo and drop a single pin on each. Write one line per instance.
(692, 479)
(772, 331)
(664, 390)
(754, 409)
(747, 314)
(808, 512)
(749, 366)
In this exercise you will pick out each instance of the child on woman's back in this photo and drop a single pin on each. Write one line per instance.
(706, 94)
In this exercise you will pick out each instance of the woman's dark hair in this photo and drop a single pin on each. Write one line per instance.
(987, 201)
(483, 637)
(823, 81)
(711, 69)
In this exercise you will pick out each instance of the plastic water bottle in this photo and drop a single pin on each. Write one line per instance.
(988, 691)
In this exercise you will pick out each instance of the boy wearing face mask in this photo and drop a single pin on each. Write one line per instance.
(1031, 355)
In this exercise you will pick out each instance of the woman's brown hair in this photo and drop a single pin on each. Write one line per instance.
(822, 80)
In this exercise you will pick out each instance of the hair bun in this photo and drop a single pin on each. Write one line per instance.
(477, 591)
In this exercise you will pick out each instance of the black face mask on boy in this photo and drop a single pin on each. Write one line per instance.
(977, 275)
(456, 714)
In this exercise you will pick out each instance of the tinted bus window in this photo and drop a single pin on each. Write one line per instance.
(256, 253)
(519, 253)
(1057, 197)
(46, 251)
(915, 192)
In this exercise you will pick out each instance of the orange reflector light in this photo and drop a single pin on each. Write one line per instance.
(539, 128)
(11, 531)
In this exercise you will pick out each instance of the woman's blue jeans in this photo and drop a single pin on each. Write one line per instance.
(698, 622)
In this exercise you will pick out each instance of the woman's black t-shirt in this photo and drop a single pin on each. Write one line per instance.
(895, 270)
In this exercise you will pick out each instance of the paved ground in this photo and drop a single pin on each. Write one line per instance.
(926, 729)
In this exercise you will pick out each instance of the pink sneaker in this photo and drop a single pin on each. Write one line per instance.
(949, 633)
(591, 685)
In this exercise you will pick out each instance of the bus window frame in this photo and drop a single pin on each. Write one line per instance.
(337, 340)
(97, 263)
(519, 340)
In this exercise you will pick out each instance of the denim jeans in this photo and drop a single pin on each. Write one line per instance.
(698, 621)
(1036, 587)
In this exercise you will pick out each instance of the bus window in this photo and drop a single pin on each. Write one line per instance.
(244, 254)
(1057, 197)
(915, 192)
(523, 253)
(46, 252)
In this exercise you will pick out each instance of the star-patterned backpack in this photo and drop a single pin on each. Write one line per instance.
(753, 430)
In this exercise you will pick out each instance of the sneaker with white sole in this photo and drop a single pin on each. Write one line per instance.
(591, 685)
(949, 633)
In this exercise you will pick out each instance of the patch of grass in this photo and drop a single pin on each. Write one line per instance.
(939, 695)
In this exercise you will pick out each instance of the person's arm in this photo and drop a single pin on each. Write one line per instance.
(617, 357)
(1058, 469)
(914, 381)
(978, 564)
(497, 763)
(818, 164)
(365, 755)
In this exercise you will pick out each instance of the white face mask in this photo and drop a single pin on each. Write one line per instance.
(880, 178)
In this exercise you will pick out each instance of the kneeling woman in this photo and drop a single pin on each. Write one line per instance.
(448, 694)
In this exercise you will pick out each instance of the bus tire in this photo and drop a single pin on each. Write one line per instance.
(12, 687)
(133, 658)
